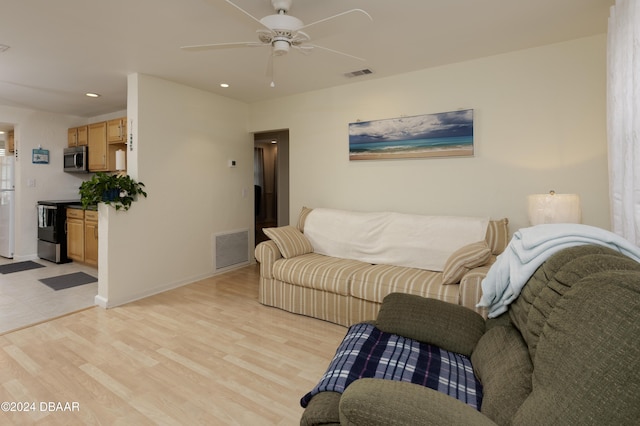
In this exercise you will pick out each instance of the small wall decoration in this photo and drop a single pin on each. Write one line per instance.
(40, 156)
(445, 134)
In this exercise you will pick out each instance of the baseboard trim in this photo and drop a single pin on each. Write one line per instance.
(109, 303)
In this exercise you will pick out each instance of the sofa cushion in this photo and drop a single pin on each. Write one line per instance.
(318, 272)
(462, 260)
(501, 362)
(376, 281)
(587, 364)
(497, 235)
(289, 240)
(471, 287)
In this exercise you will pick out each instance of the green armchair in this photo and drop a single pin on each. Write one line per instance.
(566, 352)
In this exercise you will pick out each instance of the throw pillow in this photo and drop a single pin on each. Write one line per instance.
(498, 235)
(302, 218)
(462, 260)
(289, 240)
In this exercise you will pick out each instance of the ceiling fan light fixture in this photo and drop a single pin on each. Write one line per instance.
(280, 47)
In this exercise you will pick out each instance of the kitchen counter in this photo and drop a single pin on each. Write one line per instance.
(79, 207)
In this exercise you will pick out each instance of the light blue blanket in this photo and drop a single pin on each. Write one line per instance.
(529, 248)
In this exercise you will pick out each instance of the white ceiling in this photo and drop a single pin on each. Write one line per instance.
(61, 49)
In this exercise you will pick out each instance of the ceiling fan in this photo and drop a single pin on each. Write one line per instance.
(281, 32)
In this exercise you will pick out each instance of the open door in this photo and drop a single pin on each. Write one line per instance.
(271, 181)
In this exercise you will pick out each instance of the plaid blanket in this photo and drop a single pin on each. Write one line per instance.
(368, 352)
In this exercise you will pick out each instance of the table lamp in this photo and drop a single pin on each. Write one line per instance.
(554, 208)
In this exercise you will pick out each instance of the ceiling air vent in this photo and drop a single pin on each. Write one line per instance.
(358, 73)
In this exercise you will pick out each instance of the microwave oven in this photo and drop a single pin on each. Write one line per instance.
(76, 160)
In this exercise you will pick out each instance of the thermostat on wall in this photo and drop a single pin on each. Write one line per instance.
(232, 163)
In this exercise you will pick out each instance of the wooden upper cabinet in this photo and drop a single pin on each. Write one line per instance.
(98, 159)
(103, 140)
(117, 130)
(78, 136)
(72, 137)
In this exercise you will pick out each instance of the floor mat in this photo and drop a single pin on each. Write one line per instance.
(10, 268)
(69, 280)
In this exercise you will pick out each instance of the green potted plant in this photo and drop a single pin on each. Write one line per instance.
(117, 190)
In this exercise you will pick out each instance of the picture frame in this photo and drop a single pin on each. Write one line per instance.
(40, 156)
(445, 134)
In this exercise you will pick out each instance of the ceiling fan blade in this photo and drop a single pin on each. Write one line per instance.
(199, 47)
(315, 46)
(305, 49)
(247, 14)
(348, 12)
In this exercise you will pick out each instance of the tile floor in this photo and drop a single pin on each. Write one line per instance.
(24, 300)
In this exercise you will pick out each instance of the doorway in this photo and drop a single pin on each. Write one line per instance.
(271, 181)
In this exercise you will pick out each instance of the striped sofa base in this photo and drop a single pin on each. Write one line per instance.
(332, 307)
(314, 303)
(346, 292)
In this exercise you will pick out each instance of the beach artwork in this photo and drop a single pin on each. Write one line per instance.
(446, 134)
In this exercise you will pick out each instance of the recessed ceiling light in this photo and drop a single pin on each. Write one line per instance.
(224, 85)
(92, 95)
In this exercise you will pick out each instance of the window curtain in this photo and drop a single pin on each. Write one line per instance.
(623, 118)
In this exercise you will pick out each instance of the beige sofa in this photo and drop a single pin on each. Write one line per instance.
(344, 291)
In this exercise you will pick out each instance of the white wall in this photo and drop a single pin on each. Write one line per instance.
(33, 129)
(539, 124)
(182, 141)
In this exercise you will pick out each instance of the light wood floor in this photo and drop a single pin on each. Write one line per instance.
(204, 354)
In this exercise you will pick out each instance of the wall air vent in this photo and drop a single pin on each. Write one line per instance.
(231, 249)
(358, 73)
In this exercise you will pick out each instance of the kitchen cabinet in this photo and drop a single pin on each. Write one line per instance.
(11, 141)
(82, 236)
(78, 136)
(98, 158)
(75, 234)
(117, 130)
(91, 237)
(105, 138)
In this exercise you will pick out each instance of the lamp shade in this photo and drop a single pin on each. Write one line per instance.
(554, 208)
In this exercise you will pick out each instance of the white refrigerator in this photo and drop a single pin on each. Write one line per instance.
(7, 206)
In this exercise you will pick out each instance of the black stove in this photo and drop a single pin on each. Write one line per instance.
(52, 235)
